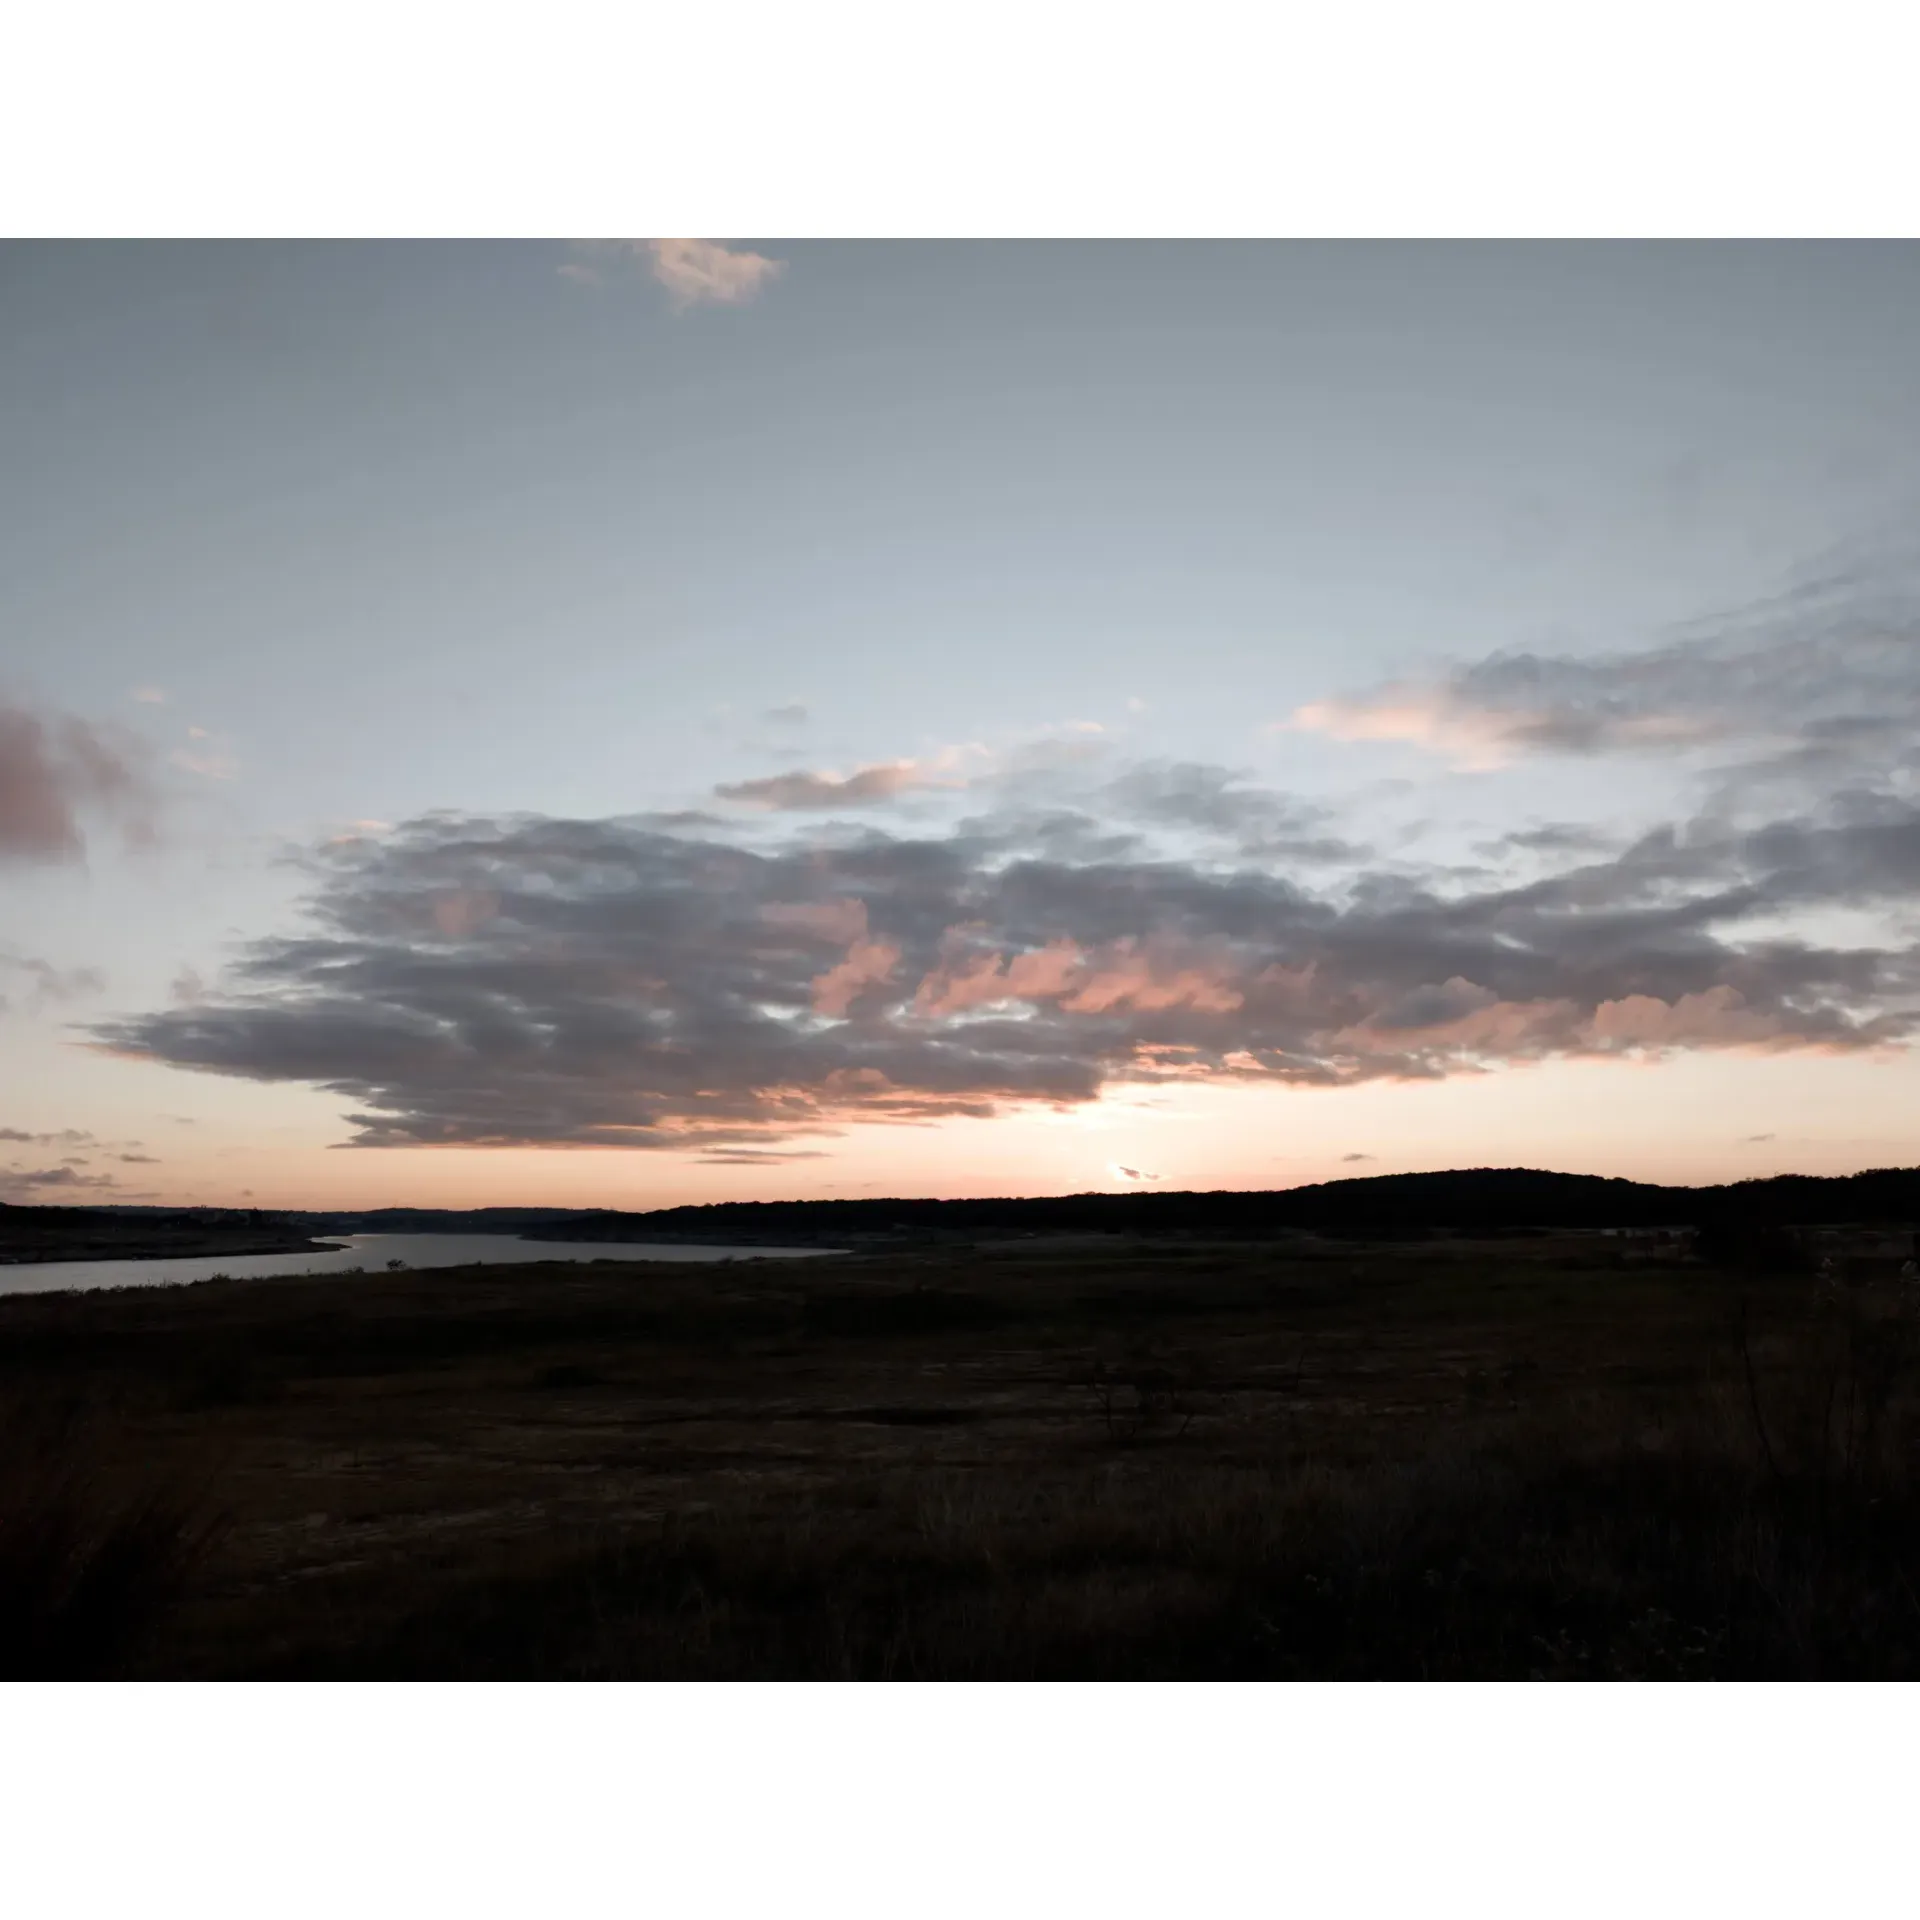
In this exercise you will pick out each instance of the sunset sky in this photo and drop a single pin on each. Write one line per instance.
(629, 722)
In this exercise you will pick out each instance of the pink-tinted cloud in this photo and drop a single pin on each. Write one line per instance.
(801, 792)
(694, 271)
(1147, 977)
(1479, 737)
(869, 963)
(54, 772)
(1719, 1017)
(1143, 978)
(982, 979)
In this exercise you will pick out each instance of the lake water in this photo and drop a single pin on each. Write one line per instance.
(369, 1250)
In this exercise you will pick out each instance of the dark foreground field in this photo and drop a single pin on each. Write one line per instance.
(1506, 1459)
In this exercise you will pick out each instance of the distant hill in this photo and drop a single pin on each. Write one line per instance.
(1481, 1200)
(30, 1235)
(1468, 1200)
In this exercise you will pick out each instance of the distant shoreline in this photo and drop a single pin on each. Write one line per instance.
(70, 1253)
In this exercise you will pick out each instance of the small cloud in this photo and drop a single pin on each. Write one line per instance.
(697, 270)
(1347, 1159)
(1135, 704)
(138, 1159)
(188, 988)
(801, 791)
(1132, 1173)
(1754, 1139)
(66, 1137)
(580, 273)
(693, 271)
(794, 715)
(149, 696)
(207, 757)
(754, 1157)
(23, 1185)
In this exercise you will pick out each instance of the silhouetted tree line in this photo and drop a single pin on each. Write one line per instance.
(1481, 1200)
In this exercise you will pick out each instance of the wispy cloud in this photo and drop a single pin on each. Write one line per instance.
(1348, 1159)
(1132, 1173)
(149, 696)
(207, 756)
(803, 792)
(695, 272)
(26, 1185)
(1817, 684)
(51, 985)
(55, 771)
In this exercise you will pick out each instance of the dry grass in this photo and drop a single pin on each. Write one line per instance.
(1145, 1462)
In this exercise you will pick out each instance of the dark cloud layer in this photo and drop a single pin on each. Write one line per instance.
(532, 980)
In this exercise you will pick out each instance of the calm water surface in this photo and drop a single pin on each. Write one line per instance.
(369, 1250)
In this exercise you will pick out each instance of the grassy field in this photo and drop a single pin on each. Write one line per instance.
(1098, 1459)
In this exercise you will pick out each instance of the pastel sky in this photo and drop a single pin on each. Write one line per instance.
(628, 722)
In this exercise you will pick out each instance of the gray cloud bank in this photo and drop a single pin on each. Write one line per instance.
(473, 980)
(673, 980)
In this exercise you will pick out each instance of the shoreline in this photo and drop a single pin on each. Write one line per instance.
(72, 1256)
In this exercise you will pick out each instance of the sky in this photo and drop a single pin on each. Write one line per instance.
(626, 722)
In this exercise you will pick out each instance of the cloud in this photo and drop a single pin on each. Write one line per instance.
(66, 1137)
(1218, 803)
(814, 792)
(149, 696)
(1554, 837)
(207, 757)
(138, 1159)
(608, 982)
(55, 771)
(697, 270)
(1347, 1159)
(759, 1157)
(1753, 1139)
(1478, 738)
(1132, 1173)
(25, 1186)
(693, 271)
(791, 716)
(1817, 684)
(52, 985)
